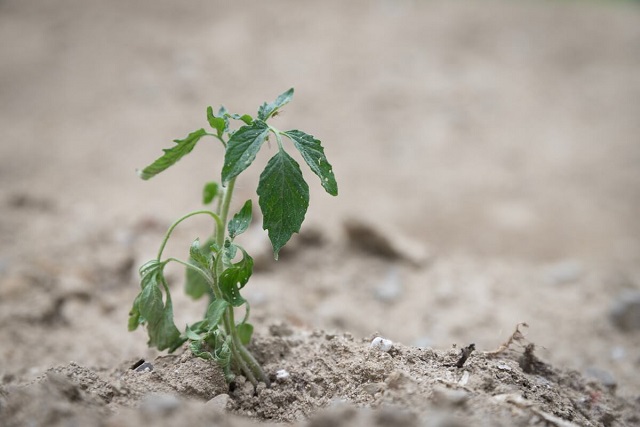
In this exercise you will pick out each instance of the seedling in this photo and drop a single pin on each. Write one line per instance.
(219, 267)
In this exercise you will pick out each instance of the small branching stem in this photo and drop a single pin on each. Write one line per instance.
(216, 217)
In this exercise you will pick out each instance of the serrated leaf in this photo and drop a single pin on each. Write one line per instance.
(266, 110)
(242, 148)
(173, 154)
(219, 123)
(245, 331)
(240, 221)
(234, 278)
(209, 192)
(284, 199)
(313, 154)
(215, 311)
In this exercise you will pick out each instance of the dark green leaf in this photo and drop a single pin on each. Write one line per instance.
(240, 221)
(245, 331)
(209, 192)
(284, 199)
(313, 153)
(215, 311)
(242, 148)
(173, 154)
(266, 110)
(234, 278)
(219, 123)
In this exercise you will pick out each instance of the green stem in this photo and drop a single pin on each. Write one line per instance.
(224, 212)
(245, 362)
(217, 218)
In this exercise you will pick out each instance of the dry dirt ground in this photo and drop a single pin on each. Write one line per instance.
(491, 148)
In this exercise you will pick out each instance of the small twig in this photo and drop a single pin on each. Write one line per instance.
(464, 355)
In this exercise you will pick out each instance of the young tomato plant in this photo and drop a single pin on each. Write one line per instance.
(220, 268)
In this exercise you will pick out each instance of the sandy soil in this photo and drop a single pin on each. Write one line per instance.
(493, 146)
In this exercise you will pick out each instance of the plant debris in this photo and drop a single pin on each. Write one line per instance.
(516, 336)
(464, 355)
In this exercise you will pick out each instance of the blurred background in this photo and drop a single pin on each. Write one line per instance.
(503, 137)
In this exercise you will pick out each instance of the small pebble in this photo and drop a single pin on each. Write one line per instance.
(381, 344)
(282, 374)
(218, 403)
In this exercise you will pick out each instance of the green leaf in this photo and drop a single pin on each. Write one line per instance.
(240, 221)
(219, 123)
(267, 110)
(313, 153)
(235, 277)
(196, 285)
(134, 315)
(245, 331)
(209, 192)
(215, 311)
(284, 199)
(222, 355)
(242, 148)
(196, 349)
(149, 308)
(246, 118)
(173, 154)
(192, 334)
(163, 333)
(199, 258)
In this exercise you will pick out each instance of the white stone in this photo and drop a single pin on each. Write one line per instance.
(282, 374)
(381, 344)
